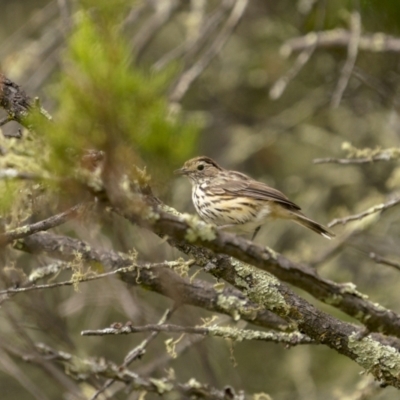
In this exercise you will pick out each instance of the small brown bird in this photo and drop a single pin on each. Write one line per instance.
(236, 203)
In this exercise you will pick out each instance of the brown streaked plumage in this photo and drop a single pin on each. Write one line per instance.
(237, 203)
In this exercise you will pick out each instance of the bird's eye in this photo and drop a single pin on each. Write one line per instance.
(200, 167)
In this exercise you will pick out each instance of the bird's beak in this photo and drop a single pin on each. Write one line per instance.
(181, 171)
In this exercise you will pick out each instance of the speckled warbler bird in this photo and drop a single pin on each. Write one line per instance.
(236, 203)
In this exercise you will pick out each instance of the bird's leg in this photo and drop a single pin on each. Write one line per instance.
(255, 232)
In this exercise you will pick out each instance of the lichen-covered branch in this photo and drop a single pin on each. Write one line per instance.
(225, 332)
(343, 296)
(44, 225)
(85, 368)
(265, 290)
(165, 281)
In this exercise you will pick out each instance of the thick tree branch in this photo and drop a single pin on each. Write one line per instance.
(271, 294)
(343, 296)
(165, 281)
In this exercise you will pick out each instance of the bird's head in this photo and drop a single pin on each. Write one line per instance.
(199, 168)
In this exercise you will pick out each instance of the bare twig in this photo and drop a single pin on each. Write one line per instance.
(381, 260)
(366, 213)
(340, 242)
(377, 42)
(364, 160)
(38, 20)
(362, 156)
(162, 14)
(89, 277)
(192, 46)
(352, 51)
(366, 389)
(189, 76)
(84, 368)
(215, 330)
(51, 222)
(63, 7)
(280, 85)
(137, 352)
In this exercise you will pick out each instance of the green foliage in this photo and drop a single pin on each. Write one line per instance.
(8, 193)
(108, 103)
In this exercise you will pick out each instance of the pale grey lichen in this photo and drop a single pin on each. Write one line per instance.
(198, 229)
(236, 307)
(260, 286)
(50, 269)
(194, 384)
(371, 353)
(161, 385)
(351, 288)
(239, 335)
(333, 300)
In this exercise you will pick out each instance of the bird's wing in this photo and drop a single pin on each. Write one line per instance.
(253, 189)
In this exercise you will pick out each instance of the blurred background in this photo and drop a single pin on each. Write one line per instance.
(263, 107)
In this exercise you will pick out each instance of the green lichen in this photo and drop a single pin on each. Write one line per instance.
(260, 287)
(236, 307)
(198, 229)
(194, 384)
(161, 385)
(372, 354)
(351, 288)
(333, 300)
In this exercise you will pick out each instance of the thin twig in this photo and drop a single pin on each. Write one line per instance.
(215, 330)
(163, 12)
(63, 283)
(381, 260)
(137, 352)
(190, 75)
(366, 213)
(191, 47)
(92, 277)
(85, 368)
(352, 51)
(364, 160)
(44, 225)
(281, 84)
(63, 7)
(376, 42)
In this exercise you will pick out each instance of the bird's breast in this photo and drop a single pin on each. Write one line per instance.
(228, 209)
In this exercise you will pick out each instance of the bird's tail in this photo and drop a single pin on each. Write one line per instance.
(314, 226)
